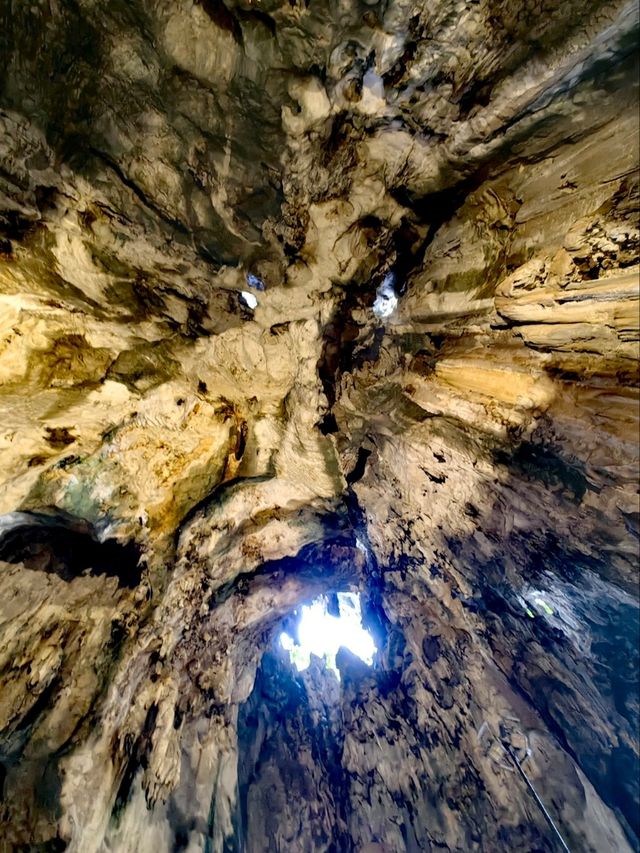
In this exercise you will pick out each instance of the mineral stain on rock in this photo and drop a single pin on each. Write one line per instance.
(300, 300)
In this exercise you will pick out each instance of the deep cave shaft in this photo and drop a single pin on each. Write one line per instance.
(319, 309)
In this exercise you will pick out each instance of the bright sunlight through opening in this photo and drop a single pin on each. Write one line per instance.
(386, 299)
(249, 299)
(323, 634)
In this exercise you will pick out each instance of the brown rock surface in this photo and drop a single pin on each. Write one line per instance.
(182, 467)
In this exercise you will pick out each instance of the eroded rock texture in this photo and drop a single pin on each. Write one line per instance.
(181, 470)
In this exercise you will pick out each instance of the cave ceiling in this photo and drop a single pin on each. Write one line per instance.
(304, 297)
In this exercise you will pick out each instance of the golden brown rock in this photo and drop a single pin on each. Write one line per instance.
(299, 298)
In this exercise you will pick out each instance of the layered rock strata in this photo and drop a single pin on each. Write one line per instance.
(181, 470)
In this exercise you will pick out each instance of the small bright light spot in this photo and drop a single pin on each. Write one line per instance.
(374, 83)
(287, 642)
(255, 281)
(322, 634)
(386, 299)
(249, 299)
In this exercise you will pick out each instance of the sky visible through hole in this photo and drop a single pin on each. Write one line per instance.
(322, 634)
(249, 299)
(386, 298)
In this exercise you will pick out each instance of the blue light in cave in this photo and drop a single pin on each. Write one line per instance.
(386, 299)
(254, 281)
(322, 634)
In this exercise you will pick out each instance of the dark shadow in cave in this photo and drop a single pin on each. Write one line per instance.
(575, 667)
(67, 546)
(291, 733)
(562, 624)
(291, 728)
(289, 750)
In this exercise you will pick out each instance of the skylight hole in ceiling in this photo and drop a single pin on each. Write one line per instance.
(386, 299)
(322, 634)
(249, 299)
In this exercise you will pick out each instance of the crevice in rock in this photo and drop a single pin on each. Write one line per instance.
(359, 468)
(298, 303)
(68, 547)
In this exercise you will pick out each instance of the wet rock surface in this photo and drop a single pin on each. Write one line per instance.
(298, 298)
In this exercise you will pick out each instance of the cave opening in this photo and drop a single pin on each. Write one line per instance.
(319, 419)
(323, 626)
(386, 300)
(249, 299)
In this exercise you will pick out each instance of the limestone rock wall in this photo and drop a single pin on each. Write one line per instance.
(180, 470)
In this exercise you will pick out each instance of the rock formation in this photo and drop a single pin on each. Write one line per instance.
(299, 298)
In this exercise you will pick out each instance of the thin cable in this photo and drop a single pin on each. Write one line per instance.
(543, 809)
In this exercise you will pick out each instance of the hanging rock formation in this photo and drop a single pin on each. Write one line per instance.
(213, 410)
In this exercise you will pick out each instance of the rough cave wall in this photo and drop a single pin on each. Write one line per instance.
(389, 758)
(180, 472)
